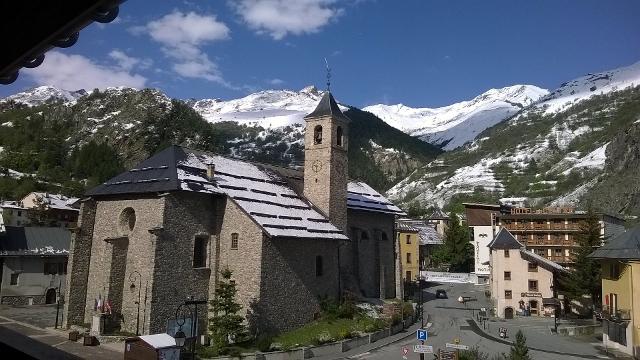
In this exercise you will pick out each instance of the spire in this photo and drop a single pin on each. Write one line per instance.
(328, 75)
(328, 107)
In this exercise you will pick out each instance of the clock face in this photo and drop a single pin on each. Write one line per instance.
(316, 166)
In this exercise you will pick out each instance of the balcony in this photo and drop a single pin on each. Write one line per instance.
(617, 315)
(541, 227)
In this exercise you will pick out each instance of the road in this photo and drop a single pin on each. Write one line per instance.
(448, 320)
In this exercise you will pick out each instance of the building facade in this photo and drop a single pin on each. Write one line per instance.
(289, 237)
(620, 260)
(40, 209)
(481, 220)
(521, 282)
(409, 243)
(33, 264)
(551, 232)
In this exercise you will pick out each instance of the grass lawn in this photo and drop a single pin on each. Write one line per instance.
(328, 330)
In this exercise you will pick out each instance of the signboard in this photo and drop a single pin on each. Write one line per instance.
(446, 355)
(423, 349)
(405, 352)
(445, 277)
(421, 334)
(457, 346)
(531, 294)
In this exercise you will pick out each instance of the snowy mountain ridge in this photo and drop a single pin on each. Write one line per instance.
(43, 94)
(454, 125)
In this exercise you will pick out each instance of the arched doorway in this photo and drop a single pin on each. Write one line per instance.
(50, 296)
(508, 313)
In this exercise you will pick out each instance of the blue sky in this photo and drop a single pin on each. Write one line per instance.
(416, 52)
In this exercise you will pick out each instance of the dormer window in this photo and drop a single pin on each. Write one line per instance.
(317, 135)
(339, 136)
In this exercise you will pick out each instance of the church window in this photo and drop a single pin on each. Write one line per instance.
(127, 220)
(319, 266)
(200, 252)
(384, 236)
(234, 241)
(339, 136)
(14, 279)
(317, 135)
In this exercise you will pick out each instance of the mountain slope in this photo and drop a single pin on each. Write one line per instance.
(557, 156)
(47, 137)
(454, 125)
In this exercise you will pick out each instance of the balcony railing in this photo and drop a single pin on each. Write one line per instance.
(617, 315)
(541, 227)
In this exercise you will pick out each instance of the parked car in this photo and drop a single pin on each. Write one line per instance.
(441, 294)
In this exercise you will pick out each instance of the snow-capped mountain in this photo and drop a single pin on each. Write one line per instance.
(44, 94)
(454, 125)
(556, 151)
(268, 108)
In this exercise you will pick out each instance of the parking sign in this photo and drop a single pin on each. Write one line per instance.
(421, 334)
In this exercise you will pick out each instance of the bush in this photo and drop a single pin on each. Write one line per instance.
(323, 338)
(264, 343)
(395, 319)
(407, 309)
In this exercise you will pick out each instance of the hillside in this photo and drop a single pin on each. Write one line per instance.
(65, 141)
(572, 146)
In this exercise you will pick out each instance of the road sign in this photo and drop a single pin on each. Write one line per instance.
(421, 334)
(424, 349)
(457, 346)
(405, 350)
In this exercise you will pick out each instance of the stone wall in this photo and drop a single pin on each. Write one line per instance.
(120, 246)
(370, 260)
(22, 300)
(186, 216)
(290, 289)
(245, 261)
(78, 266)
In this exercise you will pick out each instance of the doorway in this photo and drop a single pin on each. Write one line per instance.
(533, 305)
(508, 313)
(50, 296)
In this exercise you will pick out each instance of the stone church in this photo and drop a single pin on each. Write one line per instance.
(181, 216)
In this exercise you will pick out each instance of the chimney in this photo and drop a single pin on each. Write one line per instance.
(211, 170)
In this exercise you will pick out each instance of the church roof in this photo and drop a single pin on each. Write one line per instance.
(270, 195)
(625, 246)
(504, 240)
(328, 107)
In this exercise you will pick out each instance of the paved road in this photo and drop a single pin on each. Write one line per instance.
(449, 321)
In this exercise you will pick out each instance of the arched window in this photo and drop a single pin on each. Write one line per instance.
(317, 134)
(319, 268)
(339, 136)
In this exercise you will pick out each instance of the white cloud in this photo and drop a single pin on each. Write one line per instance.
(127, 62)
(182, 35)
(276, 81)
(281, 17)
(73, 72)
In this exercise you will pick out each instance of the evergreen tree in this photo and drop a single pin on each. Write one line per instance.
(519, 350)
(584, 278)
(225, 325)
(457, 246)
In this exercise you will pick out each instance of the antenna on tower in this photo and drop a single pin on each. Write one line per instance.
(328, 74)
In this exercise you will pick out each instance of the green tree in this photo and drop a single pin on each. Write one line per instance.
(584, 278)
(225, 325)
(519, 350)
(457, 247)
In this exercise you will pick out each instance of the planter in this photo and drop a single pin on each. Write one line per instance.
(373, 337)
(396, 328)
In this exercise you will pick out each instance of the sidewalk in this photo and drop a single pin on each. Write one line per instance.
(539, 337)
(48, 343)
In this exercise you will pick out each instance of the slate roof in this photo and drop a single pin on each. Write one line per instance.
(328, 107)
(36, 241)
(438, 215)
(402, 226)
(427, 233)
(625, 246)
(361, 196)
(541, 261)
(504, 240)
(57, 201)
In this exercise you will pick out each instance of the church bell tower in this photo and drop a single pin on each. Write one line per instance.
(325, 160)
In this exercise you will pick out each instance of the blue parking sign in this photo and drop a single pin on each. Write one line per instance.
(421, 334)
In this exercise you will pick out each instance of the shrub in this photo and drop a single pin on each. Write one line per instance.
(407, 309)
(264, 343)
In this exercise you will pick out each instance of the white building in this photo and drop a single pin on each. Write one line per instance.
(480, 219)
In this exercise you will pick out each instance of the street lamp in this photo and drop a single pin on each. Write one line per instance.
(181, 318)
(133, 277)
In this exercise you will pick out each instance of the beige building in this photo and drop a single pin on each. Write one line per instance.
(40, 209)
(522, 283)
(289, 237)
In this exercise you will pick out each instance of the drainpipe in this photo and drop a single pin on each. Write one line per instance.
(633, 330)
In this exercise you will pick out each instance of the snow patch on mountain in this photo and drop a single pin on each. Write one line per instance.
(454, 125)
(45, 94)
(574, 91)
(268, 108)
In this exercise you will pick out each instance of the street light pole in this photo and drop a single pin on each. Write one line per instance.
(135, 275)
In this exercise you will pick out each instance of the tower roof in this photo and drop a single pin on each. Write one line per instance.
(504, 240)
(328, 107)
